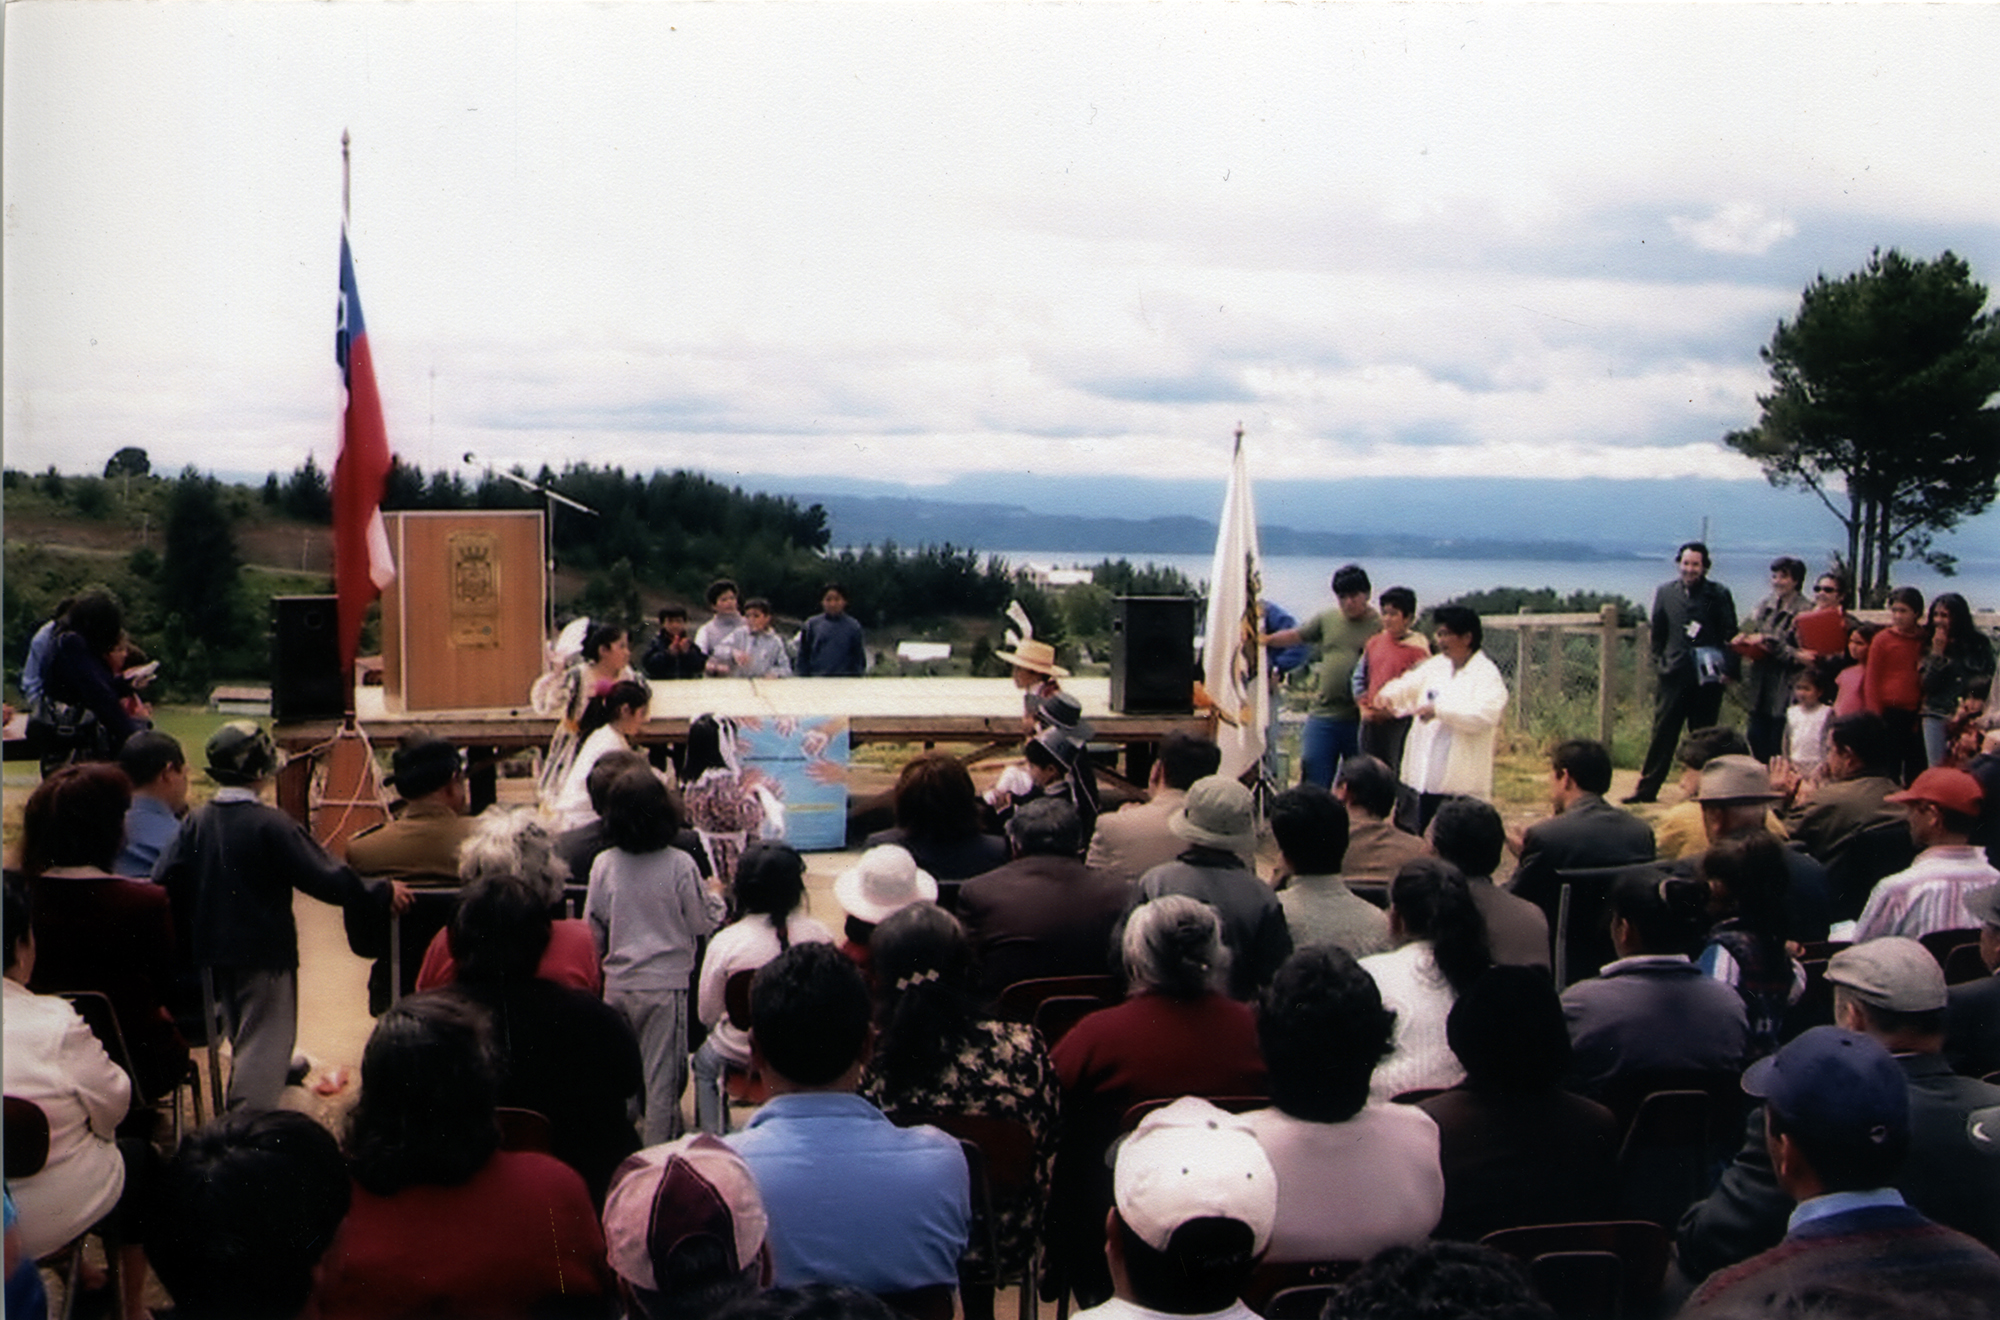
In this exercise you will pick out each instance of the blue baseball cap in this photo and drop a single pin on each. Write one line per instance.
(1837, 1087)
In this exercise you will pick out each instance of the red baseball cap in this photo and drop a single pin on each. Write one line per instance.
(1954, 790)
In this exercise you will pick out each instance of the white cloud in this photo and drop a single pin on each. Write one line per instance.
(1738, 229)
(915, 240)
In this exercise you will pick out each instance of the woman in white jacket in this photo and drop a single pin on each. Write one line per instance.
(1457, 697)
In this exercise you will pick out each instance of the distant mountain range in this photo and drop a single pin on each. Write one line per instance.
(1487, 518)
(872, 520)
(1432, 517)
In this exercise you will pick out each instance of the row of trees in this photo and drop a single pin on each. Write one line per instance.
(662, 536)
(186, 603)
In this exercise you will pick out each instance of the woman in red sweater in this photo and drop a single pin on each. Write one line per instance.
(443, 1222)
(1176, 1034)
(1892, 688)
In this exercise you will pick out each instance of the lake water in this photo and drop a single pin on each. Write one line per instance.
(1300, 583)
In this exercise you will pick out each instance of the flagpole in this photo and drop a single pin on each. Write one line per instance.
(347, 669)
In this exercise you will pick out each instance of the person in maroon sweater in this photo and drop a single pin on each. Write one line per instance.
(95, 931)
(443, 1222)
(1177, 1034)
(1891, 686)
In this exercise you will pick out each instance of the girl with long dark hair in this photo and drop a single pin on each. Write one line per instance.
(647, 908)
(1955, 671)
(770, 899)
(1442, 950)
(938, 1052)
(1748, 882)
(611, 721)
(565, 691)
(725, 802)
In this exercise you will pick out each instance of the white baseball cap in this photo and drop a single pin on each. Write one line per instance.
(1189, 1161)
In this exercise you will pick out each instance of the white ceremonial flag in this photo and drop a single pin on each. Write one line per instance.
(1232, 662)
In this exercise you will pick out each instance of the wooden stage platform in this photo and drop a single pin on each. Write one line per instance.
(984, 712)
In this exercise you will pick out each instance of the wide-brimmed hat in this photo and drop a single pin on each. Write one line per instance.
(1218, 812)
(672, 1196)
(885, 880)
(1736, 779)
(1061, 744)
(1059, 710)
(1038, 656)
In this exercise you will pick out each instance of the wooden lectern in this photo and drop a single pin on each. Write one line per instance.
(462, 623)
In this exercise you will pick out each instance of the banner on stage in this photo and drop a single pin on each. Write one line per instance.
(805, 761)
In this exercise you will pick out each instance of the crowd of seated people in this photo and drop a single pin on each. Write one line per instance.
(1374, 1026)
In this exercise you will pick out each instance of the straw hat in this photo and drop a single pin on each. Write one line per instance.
(1038, 656)
(885, 880)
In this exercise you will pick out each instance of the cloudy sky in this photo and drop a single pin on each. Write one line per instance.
(917, 242)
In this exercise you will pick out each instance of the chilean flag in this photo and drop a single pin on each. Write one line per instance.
(362, 567)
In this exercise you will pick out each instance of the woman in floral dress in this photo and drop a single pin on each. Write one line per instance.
(936, 1052)
(722, 799)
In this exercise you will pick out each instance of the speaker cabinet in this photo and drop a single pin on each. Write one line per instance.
(1152, 655)
(305, 659)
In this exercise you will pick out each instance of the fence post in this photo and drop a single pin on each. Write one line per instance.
(1607, 642)
(1552, 681)
(1642, 665)
(1520, 674)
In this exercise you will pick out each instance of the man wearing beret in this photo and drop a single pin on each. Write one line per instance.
(1837, 1121)
(1892, 991)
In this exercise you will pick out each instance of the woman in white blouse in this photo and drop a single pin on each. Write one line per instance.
(52, 1059)
(1457, 697)
(1441, 950)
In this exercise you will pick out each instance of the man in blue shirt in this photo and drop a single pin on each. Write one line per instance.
(157, 767)
(852, 1198)
(830, 645)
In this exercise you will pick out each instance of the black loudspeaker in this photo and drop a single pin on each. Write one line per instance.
(305, 659)
(1152, 655)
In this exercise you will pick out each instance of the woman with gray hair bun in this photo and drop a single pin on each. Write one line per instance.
(1176, 1034)
(515, 842)
(1173, 946)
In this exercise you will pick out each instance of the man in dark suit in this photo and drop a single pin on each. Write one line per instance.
(1892, 990)
(1693, 620)
(1837, 1118)
(1584, 830)
(1045, 913)
(1468, 833)
(1972, 1017)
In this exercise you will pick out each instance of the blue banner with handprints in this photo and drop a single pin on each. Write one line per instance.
(804, 761)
